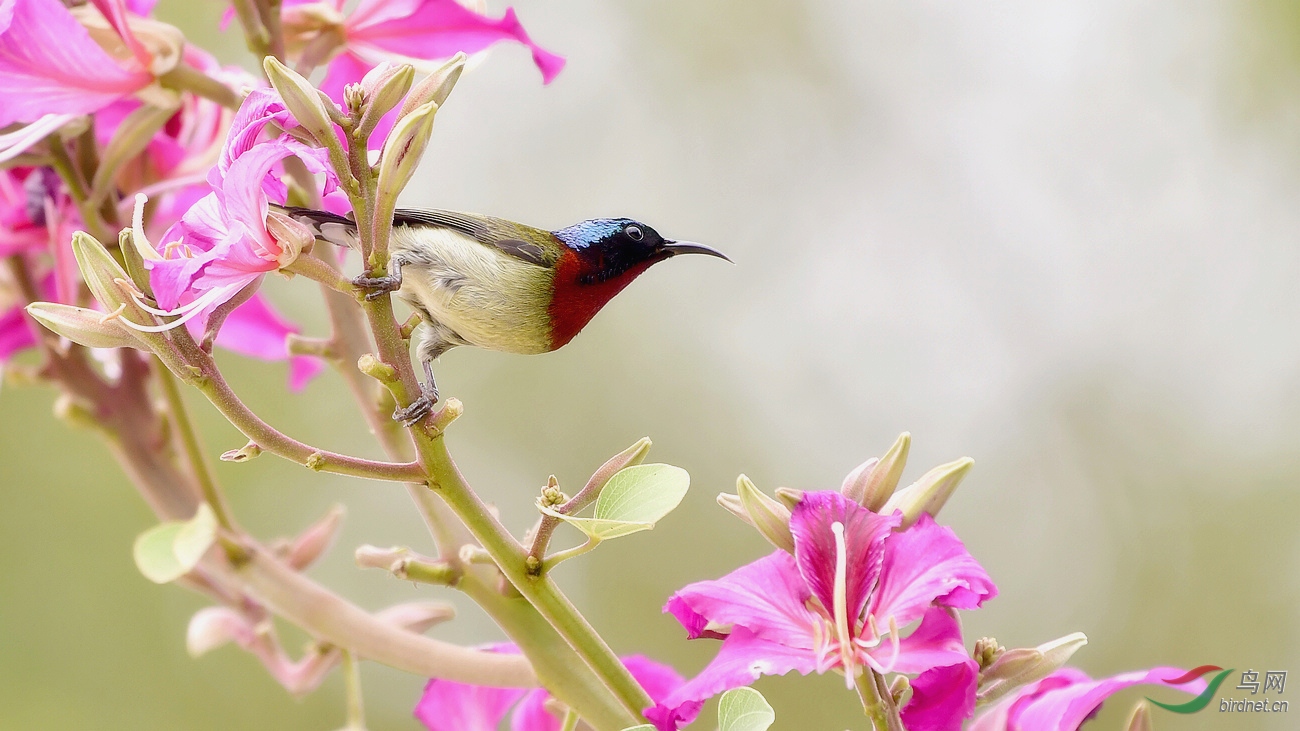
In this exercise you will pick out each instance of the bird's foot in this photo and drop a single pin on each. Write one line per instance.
(378, 286)
(419, 408)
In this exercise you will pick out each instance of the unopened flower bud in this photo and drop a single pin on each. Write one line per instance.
(1140, 718)
(930, 492)
(111, 286)
(551, 494)
(871, 485)
(899, 690)
(855, 483)
(354, 99)
(435, 87)
(383, 88)
(301, 99)
(401, 154)
(82, 326)
(771, 518)
(1011, 664)
(313, 542)
(987, 651)
(790, 496)
(213, 627)
(1027, 665)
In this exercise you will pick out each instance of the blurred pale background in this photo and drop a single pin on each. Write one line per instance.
(1058, 238)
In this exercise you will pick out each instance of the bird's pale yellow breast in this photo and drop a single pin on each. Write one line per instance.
(487, 297)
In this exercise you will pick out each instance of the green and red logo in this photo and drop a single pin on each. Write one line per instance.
(1202, 700)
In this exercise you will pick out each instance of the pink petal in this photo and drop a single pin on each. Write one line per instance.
(924, 565)
(766, 597)
(451, 706)
(936, 643)
(656, 678)
(50, 65)
(1066, 706)
(531, 714)
(15, 333)
(258, 331)
(743, 658)
(437, 29)
(942, 698)
(815, 548)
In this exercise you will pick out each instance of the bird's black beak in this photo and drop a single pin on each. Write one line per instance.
(673, 248)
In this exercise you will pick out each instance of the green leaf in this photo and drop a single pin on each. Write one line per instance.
(642, 727)
(633, 500)
(170, 550)
(744, 709)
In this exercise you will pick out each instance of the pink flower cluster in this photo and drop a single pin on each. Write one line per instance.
(210, 175)
(859, 592)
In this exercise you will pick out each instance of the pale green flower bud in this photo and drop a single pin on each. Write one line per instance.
(82, 326)
(381, 90)
(401, 155)
(872, 483)
(302, 100)
(1019, 667)
(928, 494)
(771, 518)
(112, 288)
(435, 87)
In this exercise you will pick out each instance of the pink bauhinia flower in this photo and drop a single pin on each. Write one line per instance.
(230, 239)
(57, 64)
(840, 603)
(1065, 699)
(419, 32)
(451, 706)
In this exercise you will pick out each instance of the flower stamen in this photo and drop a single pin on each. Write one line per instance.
(848, 656)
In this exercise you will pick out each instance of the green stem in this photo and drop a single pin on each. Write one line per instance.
(63, 164)
(214, 386)
(352, 677)
(189, 439)
(558, 667)
(559, 557)
(876, 701)
(317, 270)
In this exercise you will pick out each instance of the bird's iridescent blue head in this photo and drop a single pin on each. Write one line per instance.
(611, 247)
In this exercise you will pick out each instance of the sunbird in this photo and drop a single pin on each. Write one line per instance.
(496, 284)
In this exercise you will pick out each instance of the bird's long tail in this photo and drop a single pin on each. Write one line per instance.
(331, 227)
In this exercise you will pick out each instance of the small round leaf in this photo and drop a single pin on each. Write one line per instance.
(744, 709)
(170, 550)
(633, 500)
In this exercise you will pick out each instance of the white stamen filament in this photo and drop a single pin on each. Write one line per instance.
(141, 242)
(848, 654)
(187, 311)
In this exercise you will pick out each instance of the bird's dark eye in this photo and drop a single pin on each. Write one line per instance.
(634, 232)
